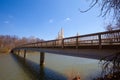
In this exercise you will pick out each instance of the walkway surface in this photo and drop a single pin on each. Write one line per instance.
(11, 70)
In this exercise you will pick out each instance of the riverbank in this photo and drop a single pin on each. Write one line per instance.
(4, 50)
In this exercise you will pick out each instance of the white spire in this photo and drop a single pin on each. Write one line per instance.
(62, 33)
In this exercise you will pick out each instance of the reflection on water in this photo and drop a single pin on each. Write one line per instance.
(57, 67)
(68, 66)
(10, 70)
(39, 72)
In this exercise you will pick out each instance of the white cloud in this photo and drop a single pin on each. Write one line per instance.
(67, 19)
(51, 21)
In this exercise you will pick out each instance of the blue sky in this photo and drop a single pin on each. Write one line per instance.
(45, 18)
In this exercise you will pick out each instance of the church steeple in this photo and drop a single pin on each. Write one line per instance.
(61, 34)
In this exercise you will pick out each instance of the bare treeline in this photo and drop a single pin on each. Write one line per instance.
(8, 42)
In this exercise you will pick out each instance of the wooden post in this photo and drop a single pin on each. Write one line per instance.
(42, 56)
(53, 44)
(15, 52)
(76, 42)
(12, 51)
(99, 37)
(24, 54)
(18, 52)
(40, 44)
(62, 43)
(46, 45)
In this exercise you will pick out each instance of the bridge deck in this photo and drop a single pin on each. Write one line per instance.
(86, 53)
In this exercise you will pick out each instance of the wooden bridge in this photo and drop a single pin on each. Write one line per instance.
(96, 45)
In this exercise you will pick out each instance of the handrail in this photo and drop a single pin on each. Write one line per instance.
(98, 40)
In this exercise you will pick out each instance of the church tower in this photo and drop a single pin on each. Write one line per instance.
(61, 34)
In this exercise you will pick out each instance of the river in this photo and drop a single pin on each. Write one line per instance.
(57, 67)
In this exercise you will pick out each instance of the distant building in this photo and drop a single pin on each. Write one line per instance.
(60, 34)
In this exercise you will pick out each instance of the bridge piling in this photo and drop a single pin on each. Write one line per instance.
(42, 57)
(62, 43)
(24, 54)
(76, 42)
(18, 52)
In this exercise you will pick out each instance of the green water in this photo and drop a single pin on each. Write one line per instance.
(10, 70)
(57, 67)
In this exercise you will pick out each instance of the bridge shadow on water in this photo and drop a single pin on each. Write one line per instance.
(37, 72)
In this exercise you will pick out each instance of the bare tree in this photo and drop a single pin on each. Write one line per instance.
(111, 7)
(109, 27)
(118, 24)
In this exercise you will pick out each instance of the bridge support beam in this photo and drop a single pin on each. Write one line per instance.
(18, 52)
(62, 43)
(42, 57)
(24, 54)
(77, 42)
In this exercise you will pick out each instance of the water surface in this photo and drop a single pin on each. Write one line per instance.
(10, 70)
(69, 66)
(57, 67)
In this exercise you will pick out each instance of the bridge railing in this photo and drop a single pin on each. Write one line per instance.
(96, 40)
